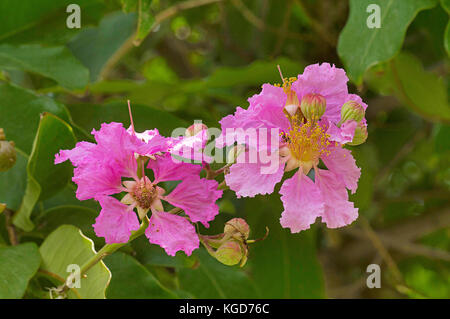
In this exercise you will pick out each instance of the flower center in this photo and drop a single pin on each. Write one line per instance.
(144, 193)
(306, 141)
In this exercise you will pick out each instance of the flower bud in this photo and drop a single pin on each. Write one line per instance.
(313, 106)
(194, 129)
(360, 134)
(229, 253)
(352, 110)
(7, 153)
(237, 226)
(234, 153)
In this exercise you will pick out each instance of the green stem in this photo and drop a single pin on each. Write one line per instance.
(108, 249)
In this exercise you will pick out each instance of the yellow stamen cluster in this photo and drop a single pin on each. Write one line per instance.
(306, 141)
(144, 194)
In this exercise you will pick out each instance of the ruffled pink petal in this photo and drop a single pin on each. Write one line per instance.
(80, 155)
(302, 203)
(343, 134)
(265, 111)
(167, 168)
(116, 221)
(338, 211)
(96, 180)
(153, 142)
(252, 176)
(117, 147)
(327, 80)
(197, 197)
(172, 232)
(341, 162)
(191, 147)
(93, 173)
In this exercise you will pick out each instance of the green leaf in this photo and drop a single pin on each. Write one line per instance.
(17, 176)
(211, 279)
(96, 47)
(18, 264)
(81, 217)
(423, 92)
(66, 246)
(19, 15)
(153, 255)
(145, 117)
(56, 63)
(145, 20)
(360, 47)
(25, 108)
(446, 5)
(44, 178)
(284, 265)
(131, 280)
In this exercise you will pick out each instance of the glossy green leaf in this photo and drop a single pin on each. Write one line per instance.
(95, 47)
(52, 62)
(25, 108)
(145, 117)
(18, 264)
(211, 279)
(131, 280)
(361, 47)
(44, 177)
(66, 246)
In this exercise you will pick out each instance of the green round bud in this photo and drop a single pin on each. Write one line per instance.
(313, 106)
(7, 155)
(360, 134)
(229, 253)
(237, 226)
(352, 110)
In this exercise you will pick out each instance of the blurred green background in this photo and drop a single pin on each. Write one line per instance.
(180, 61)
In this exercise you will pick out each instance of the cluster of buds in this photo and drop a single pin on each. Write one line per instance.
(353, 111)
(7, 153)
(230, 247)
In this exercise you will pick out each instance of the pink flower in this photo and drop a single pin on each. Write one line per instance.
(302, 122)
(111, 166)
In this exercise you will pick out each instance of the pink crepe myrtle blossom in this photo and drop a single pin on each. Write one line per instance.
(110, 166)
(306, 117)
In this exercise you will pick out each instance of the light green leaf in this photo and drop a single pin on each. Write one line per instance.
(18, 264)
(65, 246)
(25, 107)
(96, 47)
(361, 47)
(44, 177)
(131, 280)
(56, 63)
(211, 279)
